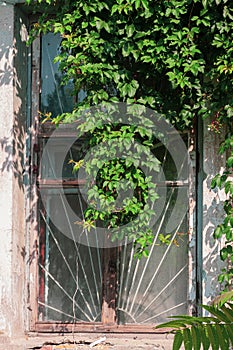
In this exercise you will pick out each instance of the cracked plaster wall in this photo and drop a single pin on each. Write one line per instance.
(13, 82)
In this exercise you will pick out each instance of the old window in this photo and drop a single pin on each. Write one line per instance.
(91, 286)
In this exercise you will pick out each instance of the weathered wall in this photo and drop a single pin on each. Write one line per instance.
(13, 81)
(212, 212)
(6, 159)
(19, 222)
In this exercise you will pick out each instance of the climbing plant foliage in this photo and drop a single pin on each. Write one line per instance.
(173, 56)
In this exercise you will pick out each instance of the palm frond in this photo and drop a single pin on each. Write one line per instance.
(223, 298)
(215, 332)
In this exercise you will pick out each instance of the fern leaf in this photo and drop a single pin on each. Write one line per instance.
(204, 338)
(196, 337)
(223, 298)
(229, 330)
(228, 312)
(213, 337)
(172, 324)
(178, 340)
(193, 320)
(222, 336)
(217, 313)
(187, 339)
(215, 332)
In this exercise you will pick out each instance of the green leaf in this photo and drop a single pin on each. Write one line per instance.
(171, 75)
(222, 336)
(213, 183)
(229, 187)
(196, 337)
(230, 162)
(204, 339)
(224, 253)
(187, 339)
(216, 312)
(130, 30)
(137, 4)
(229, 330)
(223, 298)
(172, 324)
(193, 320)
(227, 311)
(219, 181)
(145, 253)
(213, 337)
(218, 232)
(178, 339)
(145, 4)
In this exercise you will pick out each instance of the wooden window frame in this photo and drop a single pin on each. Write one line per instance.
(108, 323)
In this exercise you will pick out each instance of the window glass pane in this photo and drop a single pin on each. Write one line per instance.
(57, 155)
(55, 159)
(153, 288)
(149, 290)
(70, 273)
(175, 168)
(55, 98)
